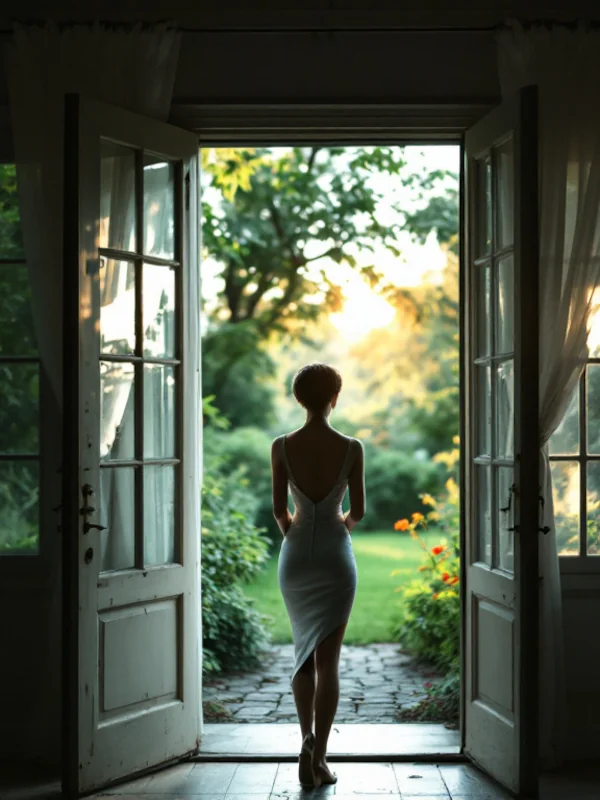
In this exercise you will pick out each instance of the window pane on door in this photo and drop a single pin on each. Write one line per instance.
(19, 507)
(484, 292)
(159, 207)
(117, 197)
(505, 194)
(484, 515)
(17, 337)
(159, 311)
(117, 307)
(19, 408)
(506, 509)
(117, 410)
(11, 239)
(483, 410)
(159, 411)
(117, 514)
(504, 297)
(505, 409)
(565, 491)
(159, 515)
(484, 209)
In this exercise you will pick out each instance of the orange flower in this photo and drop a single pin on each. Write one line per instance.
(438, 549)
(423, 568)
(453, 581)
(417, 517)
(402, 525)
(446, 577)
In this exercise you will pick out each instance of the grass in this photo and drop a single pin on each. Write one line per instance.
(376, 606)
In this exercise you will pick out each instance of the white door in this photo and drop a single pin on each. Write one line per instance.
(132, 447)
(501, 444)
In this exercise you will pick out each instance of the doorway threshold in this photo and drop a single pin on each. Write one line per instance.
(368, 742)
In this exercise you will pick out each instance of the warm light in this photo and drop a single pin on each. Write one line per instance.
(364, 310)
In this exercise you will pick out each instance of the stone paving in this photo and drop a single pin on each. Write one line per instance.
(376, 681)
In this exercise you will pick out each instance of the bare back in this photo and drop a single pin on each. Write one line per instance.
(316, 455)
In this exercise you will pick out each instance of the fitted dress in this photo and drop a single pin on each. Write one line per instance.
(316, 569)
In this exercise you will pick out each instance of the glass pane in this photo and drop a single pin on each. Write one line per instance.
(504, 317)
(11, 242)
(19, 408)
(565, 492)
(159, 411)
(565, 439)
(504, 194)
(159, 515)
(117, 197)
(19, 507)
(17, 337)
(117, 410)
(505, 409)
(117, 507)
(505, 504)
(159, 311)
(593, 408)
(593, 508)
(483, 410)
(159, 207)
(484, 207)
(594, 334)
(117, 307)
(484, 517)
(483, 310)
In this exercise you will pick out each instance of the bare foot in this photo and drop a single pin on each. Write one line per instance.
(322, 775)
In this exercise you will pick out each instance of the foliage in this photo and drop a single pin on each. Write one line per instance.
(238, 371)
(442, 703)
(394, 481)
(429, 626)
(19, 409)
(233, 551)
(252, 447)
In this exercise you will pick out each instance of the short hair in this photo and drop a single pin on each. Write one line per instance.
(315, 386)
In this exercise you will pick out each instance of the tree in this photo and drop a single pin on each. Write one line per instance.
(281, 219)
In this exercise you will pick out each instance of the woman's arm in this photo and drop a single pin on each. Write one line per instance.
(356, 487)
(280, 490)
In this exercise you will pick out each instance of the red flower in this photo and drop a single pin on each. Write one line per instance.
(453, 581)
(446, 577)
(438, 549)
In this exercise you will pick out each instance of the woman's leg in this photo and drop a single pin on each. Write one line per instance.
(327, 696)
(303, 687)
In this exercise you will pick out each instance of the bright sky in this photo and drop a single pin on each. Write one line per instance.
(364, 310)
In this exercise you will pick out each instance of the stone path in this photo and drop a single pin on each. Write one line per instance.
(376, 681)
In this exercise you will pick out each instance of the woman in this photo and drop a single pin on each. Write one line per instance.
(317, 570)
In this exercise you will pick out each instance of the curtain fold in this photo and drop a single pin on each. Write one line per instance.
(133, 68)
(565, 65)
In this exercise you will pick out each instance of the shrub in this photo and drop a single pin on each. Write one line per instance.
(394, 482)
(429, 626)
(252, 448)
(233, 551)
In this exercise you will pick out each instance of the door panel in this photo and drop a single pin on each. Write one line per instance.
(501, 448)
(132, 472)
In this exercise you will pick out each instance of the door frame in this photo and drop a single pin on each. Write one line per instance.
(231, 125)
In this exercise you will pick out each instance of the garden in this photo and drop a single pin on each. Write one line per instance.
(349, 256)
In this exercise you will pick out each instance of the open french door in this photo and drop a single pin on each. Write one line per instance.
(500, 564)
(132, 466)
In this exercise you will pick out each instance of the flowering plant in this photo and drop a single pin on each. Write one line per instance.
(429, 625)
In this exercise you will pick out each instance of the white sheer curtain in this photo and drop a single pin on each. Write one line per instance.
(133, 68)
(565, 65)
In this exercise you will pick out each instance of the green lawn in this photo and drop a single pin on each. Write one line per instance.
(376, 605)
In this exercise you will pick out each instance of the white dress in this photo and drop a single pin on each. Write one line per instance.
(317, 569)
